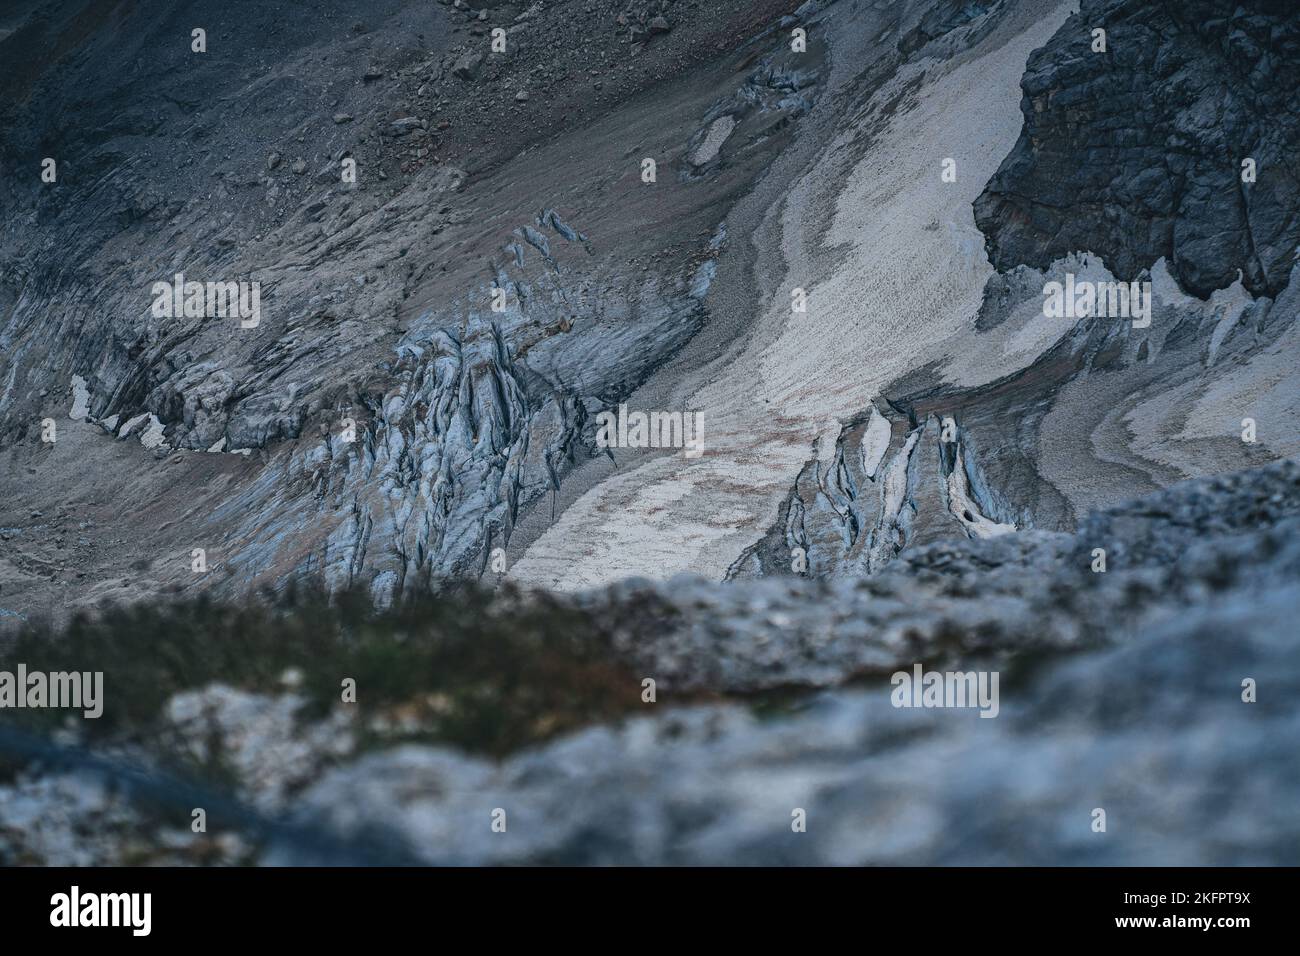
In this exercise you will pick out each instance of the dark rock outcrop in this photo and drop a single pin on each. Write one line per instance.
(1137, 152)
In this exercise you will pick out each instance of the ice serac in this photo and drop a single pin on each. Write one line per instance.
(890, 485)
(384, 425)
(487, 410)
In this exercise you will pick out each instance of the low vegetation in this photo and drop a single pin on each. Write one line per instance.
(488, 672)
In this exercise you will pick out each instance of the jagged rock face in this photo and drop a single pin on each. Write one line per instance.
(1136, 153)
(945, 17)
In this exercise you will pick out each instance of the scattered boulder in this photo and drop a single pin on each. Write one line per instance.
(467, 66)
(406, 125)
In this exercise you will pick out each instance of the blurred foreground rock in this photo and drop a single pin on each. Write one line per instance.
(1120, 690)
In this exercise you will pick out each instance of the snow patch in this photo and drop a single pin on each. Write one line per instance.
(80, 399)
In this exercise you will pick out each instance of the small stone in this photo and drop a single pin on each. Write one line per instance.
(273, 161)
(341, 118)
(466, 68)
(299, 166)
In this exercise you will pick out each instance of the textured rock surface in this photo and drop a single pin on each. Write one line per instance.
(1147, 723)
(1120, 690)
(1136, 153)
